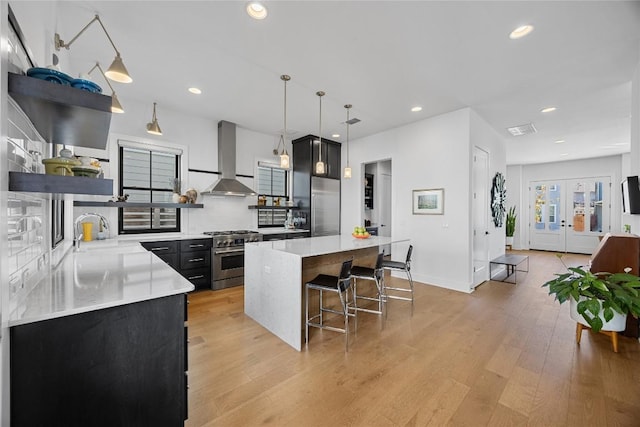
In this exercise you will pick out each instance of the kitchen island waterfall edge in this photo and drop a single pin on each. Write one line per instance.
(275, 273)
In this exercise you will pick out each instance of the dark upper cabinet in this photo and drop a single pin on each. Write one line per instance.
(309, 155)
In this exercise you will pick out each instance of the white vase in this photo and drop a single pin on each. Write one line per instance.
(176, 198)
(618, 323)
(509, 240)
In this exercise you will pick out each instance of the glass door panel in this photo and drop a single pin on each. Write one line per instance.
(569, 215)
(547, 227)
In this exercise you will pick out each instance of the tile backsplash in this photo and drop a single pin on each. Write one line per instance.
(28, 215)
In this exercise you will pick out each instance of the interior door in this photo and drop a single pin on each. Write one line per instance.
(569, 215)
(385, 206)
(384, 227)
(480, 209)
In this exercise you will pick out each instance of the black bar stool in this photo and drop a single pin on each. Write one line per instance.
(400, 266)
(340, 285)
(375, 274)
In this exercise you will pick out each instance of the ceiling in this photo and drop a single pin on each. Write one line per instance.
(384, 57)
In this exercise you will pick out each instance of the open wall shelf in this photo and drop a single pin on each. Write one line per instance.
(56, 184)
(63, 114)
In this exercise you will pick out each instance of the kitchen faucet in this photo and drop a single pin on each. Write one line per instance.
(78, 235)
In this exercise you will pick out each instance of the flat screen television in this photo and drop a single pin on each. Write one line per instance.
(631, 195)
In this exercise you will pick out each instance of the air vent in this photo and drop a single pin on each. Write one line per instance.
(522, 129)
(352, 121)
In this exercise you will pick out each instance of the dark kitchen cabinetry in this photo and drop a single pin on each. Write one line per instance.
(195, 262)
(368, 191)
(118, 366)
(307, 185)
(306, 151)
(166, 251)
(283, 236)
(191, 258)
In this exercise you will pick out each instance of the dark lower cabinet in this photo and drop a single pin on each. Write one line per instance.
(283, 236)
(191, 258)
(120, 366)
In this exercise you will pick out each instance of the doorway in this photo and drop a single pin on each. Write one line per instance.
(376, 210)
(569, 215)
(480, 209)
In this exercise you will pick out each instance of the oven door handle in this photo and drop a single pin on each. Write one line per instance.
(228, 251)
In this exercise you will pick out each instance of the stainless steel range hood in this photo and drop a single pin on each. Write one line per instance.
(227, 185)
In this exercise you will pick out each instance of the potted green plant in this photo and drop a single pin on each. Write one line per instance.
(600, 301)
(510, 225)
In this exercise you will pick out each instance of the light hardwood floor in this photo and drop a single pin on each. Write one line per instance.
(504, 355)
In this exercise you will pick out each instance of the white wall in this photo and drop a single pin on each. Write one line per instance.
(485, 137)
(522, 175)
(432, 153)
(199, 138)
(631, 165)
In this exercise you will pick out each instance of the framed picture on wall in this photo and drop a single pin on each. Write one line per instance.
(428, 202)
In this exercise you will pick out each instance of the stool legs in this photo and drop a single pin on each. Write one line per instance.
(410, 290)
(346, 307)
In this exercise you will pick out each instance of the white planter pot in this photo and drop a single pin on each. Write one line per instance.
(618, 323)
(509, 240)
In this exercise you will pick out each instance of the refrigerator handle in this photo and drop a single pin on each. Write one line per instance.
(313, 215)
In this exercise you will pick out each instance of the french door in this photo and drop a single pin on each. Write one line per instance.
(569, 215)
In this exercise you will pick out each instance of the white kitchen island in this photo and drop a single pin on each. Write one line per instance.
(275, 273)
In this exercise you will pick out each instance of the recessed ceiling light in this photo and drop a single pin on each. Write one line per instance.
(195, 90)
(564, 154)
(416, 109)
(621, 144)
(559, 141)
(520, 32)
(335, 135)
(548, 109)
(256, 10)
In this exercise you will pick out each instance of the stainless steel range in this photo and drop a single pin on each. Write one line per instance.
(228, 256)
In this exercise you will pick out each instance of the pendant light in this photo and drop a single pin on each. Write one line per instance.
(153, 127)
(320, 163)
(284, 156)
(347, 169)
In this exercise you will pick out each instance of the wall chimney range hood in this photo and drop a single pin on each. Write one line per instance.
(227, 185)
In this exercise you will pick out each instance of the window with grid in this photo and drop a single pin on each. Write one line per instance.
(272, 188)
(147, 176)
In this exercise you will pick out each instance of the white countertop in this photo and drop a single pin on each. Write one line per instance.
(323, 245)
(102, 274)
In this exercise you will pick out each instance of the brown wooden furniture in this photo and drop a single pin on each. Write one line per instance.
(615, 253)
(612, 334)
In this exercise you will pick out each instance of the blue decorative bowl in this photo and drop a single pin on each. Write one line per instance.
(87, 85)
(53, 76)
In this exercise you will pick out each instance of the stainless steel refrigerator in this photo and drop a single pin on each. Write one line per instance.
(325, 206)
